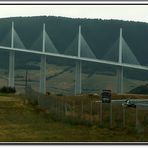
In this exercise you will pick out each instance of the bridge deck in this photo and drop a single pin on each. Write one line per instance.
(77, 58)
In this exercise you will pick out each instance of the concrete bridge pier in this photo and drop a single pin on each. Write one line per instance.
(120, 80)
(11, 68)
(78, 78)
(43, 74)
(11, 80)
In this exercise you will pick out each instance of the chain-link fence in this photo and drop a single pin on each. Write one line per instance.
(90, 111)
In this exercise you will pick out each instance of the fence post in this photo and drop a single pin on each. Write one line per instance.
(123, 108)
(110, 114)
(101, 113)
(56, 107)
(38, 99)
(91, 105)
(82, 109)
(61, 108)
(65, 109)
(73, 109)
(136, 118)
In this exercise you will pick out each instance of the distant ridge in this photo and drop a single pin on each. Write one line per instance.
(140, 90)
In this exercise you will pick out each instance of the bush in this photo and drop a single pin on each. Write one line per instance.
(60, 95)
(6, 89)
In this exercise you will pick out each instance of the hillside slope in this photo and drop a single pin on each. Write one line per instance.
(100, 34)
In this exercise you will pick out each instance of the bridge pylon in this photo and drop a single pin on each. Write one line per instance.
(43, 66)
(120, 68)
(78, 70)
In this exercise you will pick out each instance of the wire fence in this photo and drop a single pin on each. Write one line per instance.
(90, 111)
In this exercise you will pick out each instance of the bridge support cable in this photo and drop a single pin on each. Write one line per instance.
(78, 67)
(120, 69)
(43, 66)
(11, 80)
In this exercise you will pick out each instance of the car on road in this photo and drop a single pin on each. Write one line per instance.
(129, 103)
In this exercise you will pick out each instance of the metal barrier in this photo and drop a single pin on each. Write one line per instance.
(89, 112)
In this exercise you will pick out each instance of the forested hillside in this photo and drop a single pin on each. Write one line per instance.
(99, 34)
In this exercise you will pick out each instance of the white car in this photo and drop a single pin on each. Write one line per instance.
(129, 103)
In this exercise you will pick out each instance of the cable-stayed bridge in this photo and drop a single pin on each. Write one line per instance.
(120, 55)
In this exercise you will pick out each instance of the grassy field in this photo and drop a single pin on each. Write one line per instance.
(60, 81)
(21, 122)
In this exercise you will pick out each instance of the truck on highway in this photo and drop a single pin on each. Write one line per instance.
(106, 96)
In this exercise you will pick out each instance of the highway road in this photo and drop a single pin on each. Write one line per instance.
(141, 104)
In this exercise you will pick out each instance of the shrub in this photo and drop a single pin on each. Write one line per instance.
(59, 94)
(6, 89)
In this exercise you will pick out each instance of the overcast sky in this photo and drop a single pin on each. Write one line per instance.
(124, 12)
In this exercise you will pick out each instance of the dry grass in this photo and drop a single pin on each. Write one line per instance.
(24, 123)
